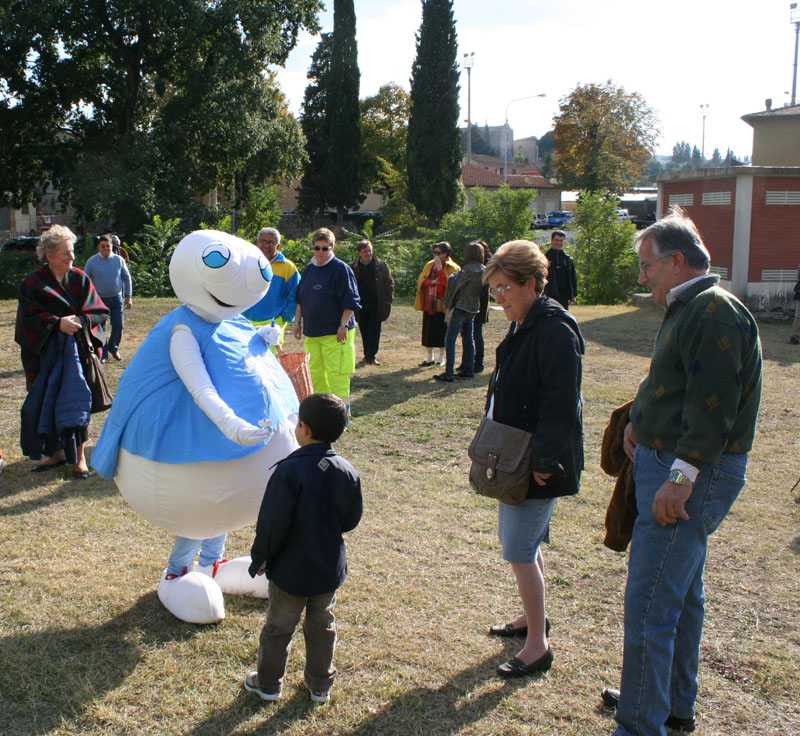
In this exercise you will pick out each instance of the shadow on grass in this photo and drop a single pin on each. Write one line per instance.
(18, 478)
(627, 332)
(385, 390)
(433, 711)
(50, 676)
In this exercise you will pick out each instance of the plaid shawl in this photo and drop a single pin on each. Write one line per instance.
(43, 301)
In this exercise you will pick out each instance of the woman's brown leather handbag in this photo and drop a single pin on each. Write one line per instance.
(501, 462)
(102, 398)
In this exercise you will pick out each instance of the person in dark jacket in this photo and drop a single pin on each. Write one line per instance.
(376, 294)
(58, 298)
(562, 281)
(536, 386)
(462, 301)
(312, 498)
(480, 318)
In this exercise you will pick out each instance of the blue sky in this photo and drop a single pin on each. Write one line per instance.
(678, 55)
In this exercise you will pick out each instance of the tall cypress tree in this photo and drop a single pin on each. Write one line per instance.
(314, 123)
(434, 148)
(342, 176)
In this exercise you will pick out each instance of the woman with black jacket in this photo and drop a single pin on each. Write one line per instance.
(536, 386)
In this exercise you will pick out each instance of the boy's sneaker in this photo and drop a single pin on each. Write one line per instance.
(318, 696)
(251, 684)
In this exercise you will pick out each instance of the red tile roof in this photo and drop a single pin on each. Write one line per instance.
(476, 176)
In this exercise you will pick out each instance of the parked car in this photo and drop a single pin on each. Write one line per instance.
(560, 218)
(20, 245)
(624, 216)
(539, 221)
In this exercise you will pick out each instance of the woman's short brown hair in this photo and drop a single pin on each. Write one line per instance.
(521, 261)
(323, 234)
(50, 239)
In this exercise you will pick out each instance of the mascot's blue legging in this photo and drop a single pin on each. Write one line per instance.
(184, 550)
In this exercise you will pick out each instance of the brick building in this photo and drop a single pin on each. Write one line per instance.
(749, 216)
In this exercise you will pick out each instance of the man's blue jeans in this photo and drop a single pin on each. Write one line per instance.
(664, 597)
(114, 304)
(460, 320)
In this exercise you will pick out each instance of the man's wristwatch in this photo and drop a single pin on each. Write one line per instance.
(343, 324)
(678, 478)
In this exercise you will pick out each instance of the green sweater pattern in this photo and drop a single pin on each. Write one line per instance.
(702, 395)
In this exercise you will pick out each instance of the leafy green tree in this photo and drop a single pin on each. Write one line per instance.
(604, 137)
(130, 107)
(342, 176)
(262, 209)
(314, 122)
(547, 144)
(697, 158)
(434, 148)
(495, 216)
(606, 265)
(730, 159)
(681, 154)
(384, 124)
(150, 255)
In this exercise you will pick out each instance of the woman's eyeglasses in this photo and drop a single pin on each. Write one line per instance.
(500, 290)
(324, 248)
(437, 252)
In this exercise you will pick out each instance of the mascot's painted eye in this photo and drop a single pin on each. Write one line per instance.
(258, 275)
(216, 255)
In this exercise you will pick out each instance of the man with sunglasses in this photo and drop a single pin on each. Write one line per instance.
(691, 426)
(279, 303)
(327, 297)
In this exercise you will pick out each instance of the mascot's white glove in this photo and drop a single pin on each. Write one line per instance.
(270, 334)
(191, 369)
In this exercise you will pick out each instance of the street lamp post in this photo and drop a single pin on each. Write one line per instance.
(704, 112)
(469, 60)
(507, 130)
(794, 17)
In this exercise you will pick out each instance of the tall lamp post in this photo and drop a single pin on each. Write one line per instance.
(469, 60)
(794, 17)
(704, 112)
(507, 130)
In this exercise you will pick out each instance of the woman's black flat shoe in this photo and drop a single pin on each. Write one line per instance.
(517, 668)
(41, 467)
(427, 363)
(81, 474)
(508, 630)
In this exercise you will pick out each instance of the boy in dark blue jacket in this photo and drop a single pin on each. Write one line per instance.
(312, 498)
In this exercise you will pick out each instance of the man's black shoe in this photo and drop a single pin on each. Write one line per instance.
(610, 698)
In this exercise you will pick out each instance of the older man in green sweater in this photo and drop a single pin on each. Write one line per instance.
(692, 425)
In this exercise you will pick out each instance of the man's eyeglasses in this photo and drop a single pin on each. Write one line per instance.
(269, 242)
(500, 290)
(324, 248)
(644, 266)
(437, 252)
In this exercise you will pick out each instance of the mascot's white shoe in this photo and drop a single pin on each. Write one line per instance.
(232, 576)
(193, 597)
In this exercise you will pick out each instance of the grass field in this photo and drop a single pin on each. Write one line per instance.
(86, 647)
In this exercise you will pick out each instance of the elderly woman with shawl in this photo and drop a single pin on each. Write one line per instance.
(56, 302)
(431, 289)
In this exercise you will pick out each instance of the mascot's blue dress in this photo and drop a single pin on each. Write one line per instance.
(201, 414)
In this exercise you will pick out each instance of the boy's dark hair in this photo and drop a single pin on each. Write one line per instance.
(325, 415)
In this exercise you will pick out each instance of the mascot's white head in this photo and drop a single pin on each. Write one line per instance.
(218, 275)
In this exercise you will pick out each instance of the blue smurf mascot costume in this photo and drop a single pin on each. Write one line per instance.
(201, 415)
